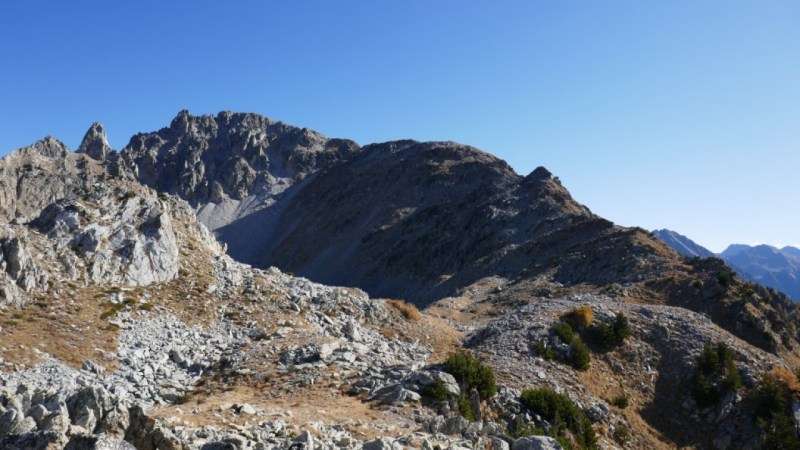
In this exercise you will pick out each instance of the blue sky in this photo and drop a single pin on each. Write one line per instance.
(677, 114)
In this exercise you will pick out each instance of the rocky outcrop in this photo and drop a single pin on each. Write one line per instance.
(134, 245)
(95, 143)
(71, 222)
(20, 274)
(237, 162)
(33, 177)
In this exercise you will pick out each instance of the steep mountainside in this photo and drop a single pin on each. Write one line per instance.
(767, 265)
(683, 244)
(404, 219)
(124, 324)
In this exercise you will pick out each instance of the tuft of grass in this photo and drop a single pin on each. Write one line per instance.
(146, 306)
(787, 378)
(621, 401)
(111, 310)
(580, 317)
(408, 310)
(622, 434)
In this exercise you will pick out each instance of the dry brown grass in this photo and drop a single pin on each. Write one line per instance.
(582, 316)
(72, 331)
(787, 378)
(409, 311)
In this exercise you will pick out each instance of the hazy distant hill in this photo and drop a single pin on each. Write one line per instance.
(776, 268)
(792, 251)
(683, 244)
(764, 264)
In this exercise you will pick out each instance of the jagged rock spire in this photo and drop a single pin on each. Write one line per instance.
(95, 143)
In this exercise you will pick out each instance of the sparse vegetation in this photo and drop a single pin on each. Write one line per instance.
(408, 310)
(543, 351)
(471, 373)
(773, 404)
(436, 391)
(605, 337)
(111, 310)
(622, 434)
(579, 357)
(716, 373)
(566, 418)
(465, 407)
(620, 401)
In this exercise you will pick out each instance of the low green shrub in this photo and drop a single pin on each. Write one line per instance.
(564, 332)
(579, 355)
(563, 415)
(465, 407)
(620, 401)
(608, 336)
(436, 391)
(471, 373)
(545, 352)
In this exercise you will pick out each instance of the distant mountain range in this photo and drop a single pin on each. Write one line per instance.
(763, 264)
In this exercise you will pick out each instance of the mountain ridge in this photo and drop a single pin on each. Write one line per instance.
(129, 324)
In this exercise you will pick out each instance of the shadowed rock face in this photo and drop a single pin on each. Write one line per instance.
(421, 220)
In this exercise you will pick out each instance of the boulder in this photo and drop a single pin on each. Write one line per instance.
(537, 443)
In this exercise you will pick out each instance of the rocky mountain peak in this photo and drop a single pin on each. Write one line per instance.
(50, 147)
(95, 143)
(540, 174)
(223, 159)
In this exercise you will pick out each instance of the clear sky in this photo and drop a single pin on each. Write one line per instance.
(676, 114)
